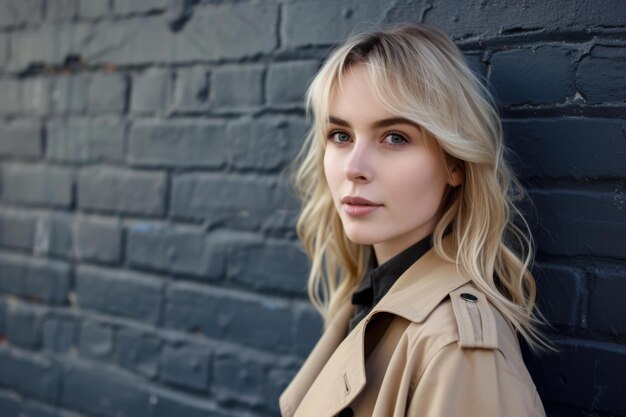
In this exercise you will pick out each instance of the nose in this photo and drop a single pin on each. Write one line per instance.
(358, 167)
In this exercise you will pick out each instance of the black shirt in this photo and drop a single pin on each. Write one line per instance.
(379, 279)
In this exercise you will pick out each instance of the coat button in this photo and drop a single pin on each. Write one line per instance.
(346, 412)
(469, 297)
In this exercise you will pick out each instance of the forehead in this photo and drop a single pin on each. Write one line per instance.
(353, 96)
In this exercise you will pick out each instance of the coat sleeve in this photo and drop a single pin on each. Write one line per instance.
(472, 383)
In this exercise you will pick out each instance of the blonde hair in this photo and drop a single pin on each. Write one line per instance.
(418, 73)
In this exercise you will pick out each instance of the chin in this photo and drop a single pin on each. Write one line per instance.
(360, 237)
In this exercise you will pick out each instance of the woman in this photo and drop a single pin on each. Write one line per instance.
(417, 267)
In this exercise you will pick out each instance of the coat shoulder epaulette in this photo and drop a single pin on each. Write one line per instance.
(475, 318)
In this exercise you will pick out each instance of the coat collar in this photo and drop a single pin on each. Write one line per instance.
(335, 369)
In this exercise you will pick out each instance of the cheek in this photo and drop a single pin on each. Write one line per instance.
(330, 170)
(419, 184)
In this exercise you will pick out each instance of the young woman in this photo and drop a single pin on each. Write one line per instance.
(417, 265)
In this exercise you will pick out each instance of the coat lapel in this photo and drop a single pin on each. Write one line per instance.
(334, 373)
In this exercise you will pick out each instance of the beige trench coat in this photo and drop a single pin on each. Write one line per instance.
(432, 347)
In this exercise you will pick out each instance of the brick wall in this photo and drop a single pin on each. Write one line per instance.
(148, 263)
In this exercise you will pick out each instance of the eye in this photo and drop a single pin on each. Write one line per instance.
(338, 137)
(395, 139)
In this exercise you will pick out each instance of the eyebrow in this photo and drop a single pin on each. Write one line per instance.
(380, 123)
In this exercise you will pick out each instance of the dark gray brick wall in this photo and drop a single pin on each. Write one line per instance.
(182, 143)
(148, 261)
(85, 140)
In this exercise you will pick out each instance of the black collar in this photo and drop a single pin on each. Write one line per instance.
(379, 279)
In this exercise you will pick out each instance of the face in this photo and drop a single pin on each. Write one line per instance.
(386, 178)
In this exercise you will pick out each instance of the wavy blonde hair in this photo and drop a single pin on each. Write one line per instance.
(418, 73)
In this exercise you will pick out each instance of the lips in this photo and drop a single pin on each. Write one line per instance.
(358, 201)
(358, 206)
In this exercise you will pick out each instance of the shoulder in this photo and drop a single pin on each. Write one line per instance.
(466, 350)
(465, 321)
(466, 338)
(472, 382)
(463, 316)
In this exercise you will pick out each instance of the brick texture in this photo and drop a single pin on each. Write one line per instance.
(148, 260)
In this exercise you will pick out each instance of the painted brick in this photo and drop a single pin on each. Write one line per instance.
(223, 31)
(3, 316)
(332, 22)
(17, 229)
(217, 31)
(61, 10)
(606, 300)
(60, 334)
(44, 410)
(488, 20)
(98, 239)
(191, 90)
(237, 87)
(139, 6)
(121, 190)
(21, 139)
(48, 43)
(37, 184)
(265, 144)
(476, 63)
(23, 324)
(574, 223)
(122, 293)
(95, 340)
(184, 143)
(107, 93)
(29, 374)
(240, 376)
(37, 279)
(94, 8)
(54, 235)
(15, 13)
(168, 405)
(151, 91)
(176, 250)
(138, 351)
(4, 50)
(36, 96)
(103, 393)
(269, 265)
(567, 147)
(287, 82)
(10, 404)
(69, 93)
(231, 316)
(559, 293)
(573, 376)
(282, 224)
(252, 377)
(533, 76)
(86, 140)
(11, 99)
(136, 41)
(309, 327)
(186, 366)
(279, 376)
(222, 199)
(610, 61)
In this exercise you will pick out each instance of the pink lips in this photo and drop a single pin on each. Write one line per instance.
(357, 206)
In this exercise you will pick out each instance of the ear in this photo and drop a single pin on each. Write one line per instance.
(455, 177)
